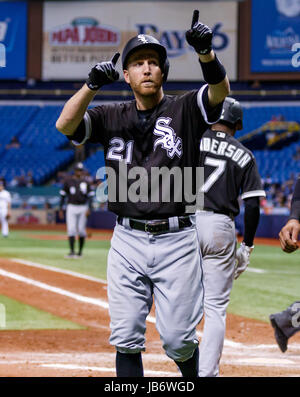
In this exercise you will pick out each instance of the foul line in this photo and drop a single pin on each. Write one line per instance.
(255, 270)
(60, 291)
(104, 369)
(58, 270)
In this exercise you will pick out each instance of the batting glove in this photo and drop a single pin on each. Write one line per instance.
(199, 36)
(242, 259)
(103, 73)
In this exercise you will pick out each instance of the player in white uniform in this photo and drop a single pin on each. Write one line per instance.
(230, 170)
(5, 208)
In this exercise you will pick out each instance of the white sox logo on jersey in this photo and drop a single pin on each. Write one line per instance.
(168, 139)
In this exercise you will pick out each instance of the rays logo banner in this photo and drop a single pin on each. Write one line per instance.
(13, 40)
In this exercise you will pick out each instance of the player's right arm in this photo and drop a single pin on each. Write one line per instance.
(288, 235)
(74, 110)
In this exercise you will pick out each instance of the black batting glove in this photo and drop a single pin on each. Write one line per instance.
(103, 73)
(199, 36)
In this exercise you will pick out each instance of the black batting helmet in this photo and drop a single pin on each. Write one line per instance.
(144, 40)
(232, 113)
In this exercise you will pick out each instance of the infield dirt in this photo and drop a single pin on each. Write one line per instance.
(249, 350)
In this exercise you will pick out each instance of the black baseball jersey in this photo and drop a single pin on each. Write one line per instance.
(295, 204)
(230, 170)
(166, 137)
(77, 191)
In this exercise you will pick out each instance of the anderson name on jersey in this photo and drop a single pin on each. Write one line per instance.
(227, 166)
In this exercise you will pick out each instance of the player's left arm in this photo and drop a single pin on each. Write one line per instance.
(200, 37)
(8, 215)
(90, 197)
(251, 220)
(251, 192)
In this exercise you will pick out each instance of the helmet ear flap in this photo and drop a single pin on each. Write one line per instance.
(166, 69)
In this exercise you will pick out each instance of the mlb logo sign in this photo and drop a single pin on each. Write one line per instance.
(2, 56)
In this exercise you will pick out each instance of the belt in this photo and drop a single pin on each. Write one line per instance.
(157, 226)
(228, 213)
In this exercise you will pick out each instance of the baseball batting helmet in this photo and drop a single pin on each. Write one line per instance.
(232, 113)
(142, 41)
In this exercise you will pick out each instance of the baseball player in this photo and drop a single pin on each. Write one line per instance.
(287, 322)
(79, 196)
(153, 247)
(5, 208)
(229, 171)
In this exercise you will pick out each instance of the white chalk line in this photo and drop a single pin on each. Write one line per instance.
(104, 304)
(255, 270)
(104, 369)
(93, 301)
(58, 270)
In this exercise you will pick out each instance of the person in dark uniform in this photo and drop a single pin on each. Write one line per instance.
(287, 323)
(230, 171)
(77, 191)
(154, 249)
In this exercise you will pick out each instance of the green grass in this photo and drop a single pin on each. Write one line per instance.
(51, 252)
(19, 316)
(253, 295)
(258, 295)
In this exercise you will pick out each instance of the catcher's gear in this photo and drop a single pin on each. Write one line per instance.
(199, 36)
(142, 41)
(243, 259)
(232, 113)
(103, 73)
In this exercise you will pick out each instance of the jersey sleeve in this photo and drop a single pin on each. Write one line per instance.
(64, 190)
(210, 114)
(91, 129)
(90, 191)
(251, 184)
(295, 204)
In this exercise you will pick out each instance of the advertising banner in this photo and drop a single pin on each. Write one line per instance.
(275, 35)
(13, 40)
(78, 35)
(32, 217)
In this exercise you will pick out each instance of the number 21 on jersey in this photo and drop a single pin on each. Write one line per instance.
(119, 150)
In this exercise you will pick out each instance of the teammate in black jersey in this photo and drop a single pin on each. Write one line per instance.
(287, 322)
(154, 246)
(77, 191)
(230, 171)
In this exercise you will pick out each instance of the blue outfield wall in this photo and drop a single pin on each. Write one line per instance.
(269, 225)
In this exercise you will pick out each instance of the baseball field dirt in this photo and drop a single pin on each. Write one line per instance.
(249, 350)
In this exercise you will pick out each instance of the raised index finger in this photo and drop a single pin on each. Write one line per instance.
(195, 17)
(115, 58)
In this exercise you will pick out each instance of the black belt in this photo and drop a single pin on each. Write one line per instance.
(157, 226)
(228, 213)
